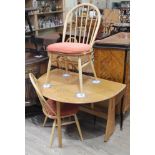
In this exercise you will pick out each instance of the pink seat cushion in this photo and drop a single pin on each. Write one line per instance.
(69, 48)
(66, 108)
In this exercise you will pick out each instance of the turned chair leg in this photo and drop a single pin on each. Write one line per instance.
(45, 120)
(92, 105)
(52, 132)
(80, 75)
(93, 69)
(66, 65)
(78, 127)
(48, 68)
(121, 114)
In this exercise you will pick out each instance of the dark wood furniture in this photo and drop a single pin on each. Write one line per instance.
(37, 66)
(35, 58)
(121, 27)
(112, 61)
(48, 38)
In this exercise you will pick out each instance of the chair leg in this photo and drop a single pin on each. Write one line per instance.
(92, 66)
(66, 65)
(45, 120)
(80, 75)
(52, 132)
(121, 114)
(58, 118)
(92, 105)
(48, 68)
(78, 127)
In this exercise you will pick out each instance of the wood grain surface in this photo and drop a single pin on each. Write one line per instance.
(110, 64)
(65, 89)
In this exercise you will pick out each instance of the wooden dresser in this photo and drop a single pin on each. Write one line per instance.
(37, 66)
(112, 61)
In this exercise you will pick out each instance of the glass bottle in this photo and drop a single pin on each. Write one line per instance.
(53, 5)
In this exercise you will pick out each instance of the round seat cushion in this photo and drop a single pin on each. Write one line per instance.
(68, 48)
(66, 108)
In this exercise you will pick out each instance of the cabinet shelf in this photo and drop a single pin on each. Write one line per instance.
(45, 28)
(43, 13)
(29, 31)
(49, 27)
(40, 19)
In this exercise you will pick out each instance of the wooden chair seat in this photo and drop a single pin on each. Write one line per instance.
(69, 48)
(66, 110)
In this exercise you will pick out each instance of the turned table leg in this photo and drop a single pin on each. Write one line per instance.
(110, 127)
(59, 124)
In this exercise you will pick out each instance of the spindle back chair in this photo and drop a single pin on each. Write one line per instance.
(49, 109)
(80, 30)
(83, 22)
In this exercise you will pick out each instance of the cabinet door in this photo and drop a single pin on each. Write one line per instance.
(109, 64)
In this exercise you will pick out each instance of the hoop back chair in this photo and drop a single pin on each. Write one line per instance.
(49, 110)
(80, 30)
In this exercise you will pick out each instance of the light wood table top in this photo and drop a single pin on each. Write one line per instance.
(64, 89)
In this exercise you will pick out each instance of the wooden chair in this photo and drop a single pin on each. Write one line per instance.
(80, 30)
(49, 109)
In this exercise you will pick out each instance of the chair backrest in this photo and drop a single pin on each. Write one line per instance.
(82, 24)
(42, 100)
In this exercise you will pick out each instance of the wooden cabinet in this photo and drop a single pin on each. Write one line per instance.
(47, 16)
(112, 62)
(37, 66)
